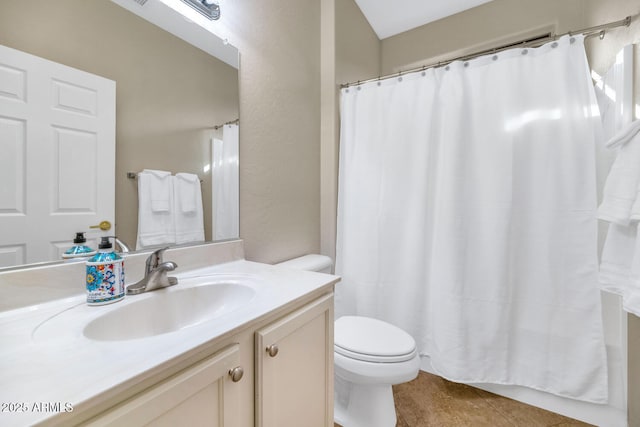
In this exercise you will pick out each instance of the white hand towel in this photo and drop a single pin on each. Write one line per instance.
(624, 135)
(618, 259)
(154, 227)
(160, 189)
(635, 209)
(621, 187)
(631, 300)
(620, 265)
(189, 224)
(188, 189)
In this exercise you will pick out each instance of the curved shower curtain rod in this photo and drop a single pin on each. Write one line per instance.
(598, 30)
(231, 122)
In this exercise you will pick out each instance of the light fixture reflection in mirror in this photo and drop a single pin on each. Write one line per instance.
(209, 8)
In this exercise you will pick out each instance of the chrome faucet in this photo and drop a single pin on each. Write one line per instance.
(124, 248)
(155, 275)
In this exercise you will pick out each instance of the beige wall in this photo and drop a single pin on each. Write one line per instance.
(351, 52)
(358, 48)
(279, 43)
(491, 24)
(328, 129)
(167, 91)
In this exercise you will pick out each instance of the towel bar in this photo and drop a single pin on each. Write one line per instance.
(133, 175)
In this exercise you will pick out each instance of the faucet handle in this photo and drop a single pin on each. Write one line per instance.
(155, 259)
(158, 253)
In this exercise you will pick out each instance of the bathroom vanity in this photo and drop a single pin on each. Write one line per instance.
(235, 343)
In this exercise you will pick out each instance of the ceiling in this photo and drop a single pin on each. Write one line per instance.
(390, 18)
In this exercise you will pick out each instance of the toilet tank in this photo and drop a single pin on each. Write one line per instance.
(311, 262)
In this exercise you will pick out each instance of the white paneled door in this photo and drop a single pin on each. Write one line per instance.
(57, 156)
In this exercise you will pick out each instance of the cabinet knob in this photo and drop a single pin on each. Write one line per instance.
(236, 374)
(272, 350)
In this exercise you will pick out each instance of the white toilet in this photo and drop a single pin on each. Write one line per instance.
(369, 357)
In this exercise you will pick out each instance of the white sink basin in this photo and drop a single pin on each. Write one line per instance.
(167, 311)
(192, 301)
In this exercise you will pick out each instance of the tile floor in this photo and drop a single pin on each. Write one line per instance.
(431, 401)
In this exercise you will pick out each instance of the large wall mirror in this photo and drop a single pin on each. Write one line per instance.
(175, 86)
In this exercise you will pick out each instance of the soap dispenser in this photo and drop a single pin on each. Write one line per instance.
(105, 275)
(79, 249)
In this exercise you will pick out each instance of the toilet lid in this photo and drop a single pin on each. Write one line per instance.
(372, 340)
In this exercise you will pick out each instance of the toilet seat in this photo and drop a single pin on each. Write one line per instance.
(372, 340)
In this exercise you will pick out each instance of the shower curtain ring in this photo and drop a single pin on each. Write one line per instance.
(602, 32)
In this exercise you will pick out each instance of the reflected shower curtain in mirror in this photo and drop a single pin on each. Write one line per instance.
(225, 184)
(466, 216)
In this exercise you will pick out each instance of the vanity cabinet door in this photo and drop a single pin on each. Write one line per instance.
(205, 394)
(294, 368)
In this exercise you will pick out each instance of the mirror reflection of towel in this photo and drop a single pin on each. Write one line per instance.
(188, 192)
(160, 189)
(189, 219)
(155, 226)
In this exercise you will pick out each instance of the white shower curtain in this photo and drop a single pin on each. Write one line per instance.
(226, 185)
(466, 216)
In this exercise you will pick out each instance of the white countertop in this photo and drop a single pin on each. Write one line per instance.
(47, 364)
